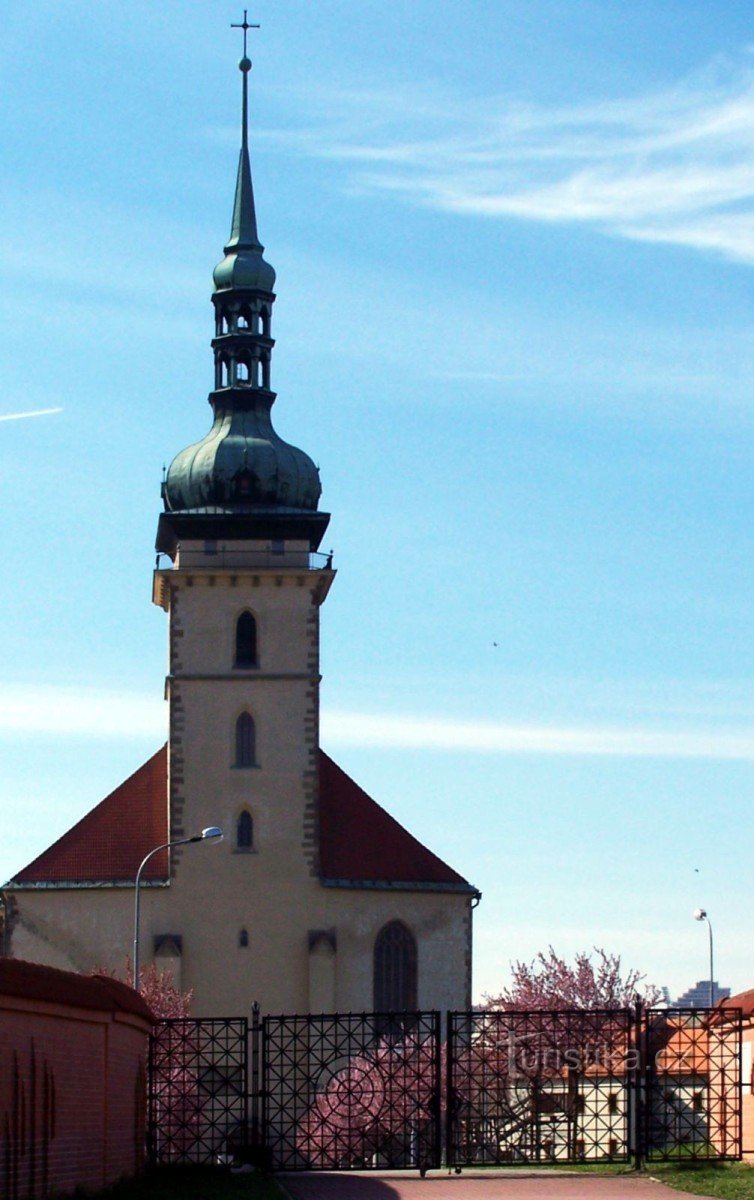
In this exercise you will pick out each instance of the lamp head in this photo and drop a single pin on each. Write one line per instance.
(700, 914)
(212, 833)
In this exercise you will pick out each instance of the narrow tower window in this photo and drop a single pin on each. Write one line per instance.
(246, 641)
(245, 831)
(245, 741)
(243, 938)
(394, 969)
(244, 318)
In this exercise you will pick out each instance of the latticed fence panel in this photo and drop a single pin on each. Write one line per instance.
(354, 1090)
(692, 1103)
(539, 1087)
(198, 1087)
(366, 1090)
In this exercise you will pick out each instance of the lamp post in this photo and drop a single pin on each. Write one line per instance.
(700, 914)
(211, 833)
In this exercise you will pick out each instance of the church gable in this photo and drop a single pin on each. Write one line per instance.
(108, 844)
(360, 843)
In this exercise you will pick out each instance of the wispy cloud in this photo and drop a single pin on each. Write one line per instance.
(492, 737)
(94, 713)
(23, 416)
(27, 710)
(673, 166)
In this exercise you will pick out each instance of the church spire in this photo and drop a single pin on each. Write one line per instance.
(244, 264)
(241, 479)
(244, 225)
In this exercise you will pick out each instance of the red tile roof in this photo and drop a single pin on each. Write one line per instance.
(359, 842)
(744, 1001)
(31, 981)
(108, 844)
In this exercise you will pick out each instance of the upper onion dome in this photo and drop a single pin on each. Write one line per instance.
(241, 469)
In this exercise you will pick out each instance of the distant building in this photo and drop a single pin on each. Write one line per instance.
(698, 996)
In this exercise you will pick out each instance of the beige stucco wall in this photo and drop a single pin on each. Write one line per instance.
(273, 892)
(81, 929)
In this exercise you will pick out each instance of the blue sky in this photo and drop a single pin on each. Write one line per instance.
(515, 254)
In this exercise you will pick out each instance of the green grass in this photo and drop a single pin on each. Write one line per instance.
(193, 1183)
(731, 1181)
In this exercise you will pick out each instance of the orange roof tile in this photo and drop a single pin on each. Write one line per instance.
(359, 842)
(744, 1001)
(108, 844)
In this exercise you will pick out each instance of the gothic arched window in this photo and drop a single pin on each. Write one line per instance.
(395, 969)
(245, 831)
(246, 641)
(245, 741)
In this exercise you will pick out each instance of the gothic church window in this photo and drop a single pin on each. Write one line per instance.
(245, 831)
(245, 741)
(246, 641)
(395, 969)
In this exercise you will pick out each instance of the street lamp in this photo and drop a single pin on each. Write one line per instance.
(210, 834)
(700, 914)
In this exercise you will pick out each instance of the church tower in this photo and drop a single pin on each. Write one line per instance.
(242, 529)
(317, 900)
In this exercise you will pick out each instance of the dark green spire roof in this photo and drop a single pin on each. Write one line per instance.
(244, 265)
(241, 479)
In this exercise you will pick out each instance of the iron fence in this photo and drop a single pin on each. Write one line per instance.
(355, 1090)
(198, 1090)
(376, 1090)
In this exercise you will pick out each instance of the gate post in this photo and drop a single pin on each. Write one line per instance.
(255, 1097)
(150, 1130)
(437, 1083)
(449, 1093)
(638, 1084)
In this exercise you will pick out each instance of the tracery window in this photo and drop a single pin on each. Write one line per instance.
(395, 969)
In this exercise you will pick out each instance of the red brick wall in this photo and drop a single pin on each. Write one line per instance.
(72, 1084)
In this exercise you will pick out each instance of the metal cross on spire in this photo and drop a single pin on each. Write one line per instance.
(245, 26)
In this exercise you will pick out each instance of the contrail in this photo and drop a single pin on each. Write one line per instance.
(39, 412)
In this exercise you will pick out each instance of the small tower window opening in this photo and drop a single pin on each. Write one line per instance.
(224, 372)
(246, 641)
(264, 322)
(395, 969)
(244, 318)
(243, 938)
(245, 831)
(245, 741)
(243, 372)
(265, 364)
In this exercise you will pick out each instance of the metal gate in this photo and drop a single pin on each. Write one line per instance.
(538, 1087)
(691, 1076)
(355, 1090)
(198, 1090)
(368, 1090)
(593, 1086)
